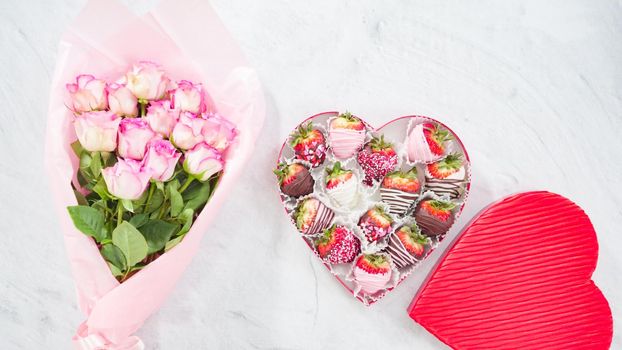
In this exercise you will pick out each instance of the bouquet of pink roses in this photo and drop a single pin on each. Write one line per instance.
(137, 196)
(140, 158)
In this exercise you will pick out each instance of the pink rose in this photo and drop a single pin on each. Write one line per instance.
(127, 179)
(218, 132)
(122, 101)
(188, 131)
(161, 118)
(87, 94)
(147, 81)
(203, 161)
(97, 130)
(188, 97)
(161, 159)
(134, 135)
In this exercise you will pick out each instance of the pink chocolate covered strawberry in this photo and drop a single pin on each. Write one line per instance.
(346, 134)
(338, 245)
(375, 224)
(427, 142)
(341, 185)
(377, 159)
(372, 272)
(309, 144)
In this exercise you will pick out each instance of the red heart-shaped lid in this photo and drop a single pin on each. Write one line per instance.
(519, 277)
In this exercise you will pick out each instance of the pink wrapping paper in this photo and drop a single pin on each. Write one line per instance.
(189, 41)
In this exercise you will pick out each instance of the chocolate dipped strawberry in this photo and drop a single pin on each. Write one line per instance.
(341, 185)
(346, 134)
(372, 272)
(294, 179)
(309, 144)
(447, 176)
(375, 224)
(407, 245)
(434, 217)
(377, 159)
(427, 142)
(400, 190)
(312, 216)
(337, 245)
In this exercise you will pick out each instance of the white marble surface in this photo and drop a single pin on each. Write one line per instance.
(534, 88)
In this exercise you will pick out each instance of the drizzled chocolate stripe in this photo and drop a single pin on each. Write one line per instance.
(401, 257)
(398, 201)
(453, 188)
(430, 225)
(322, 219)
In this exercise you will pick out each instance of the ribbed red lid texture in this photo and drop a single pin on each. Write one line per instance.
(519, 277)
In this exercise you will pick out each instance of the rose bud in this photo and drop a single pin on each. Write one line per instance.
(161, 159)
(218, 132)
(97, 130)
(203, 161)
(121, 100)
(127, 179)
(188, 97)
(161, 118)
(87, 94)
(134, 135)
(147, 81)
(188, 131)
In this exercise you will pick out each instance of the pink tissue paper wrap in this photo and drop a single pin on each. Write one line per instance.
(187, 38)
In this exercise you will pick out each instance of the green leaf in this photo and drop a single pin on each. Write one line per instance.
(139, 219)
(101, 189)
(197, 196)
(172, 243)
(89, 221)
(114, 255)
(156, 202)
(80, 198)
(177, 202)
(96, 164)
(157, 233)
(131, 242)
(115, 270)
(186, 217)
(127, 204)
(77, 148)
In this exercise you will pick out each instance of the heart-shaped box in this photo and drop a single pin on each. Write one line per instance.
(519, 277)
(372, 212)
